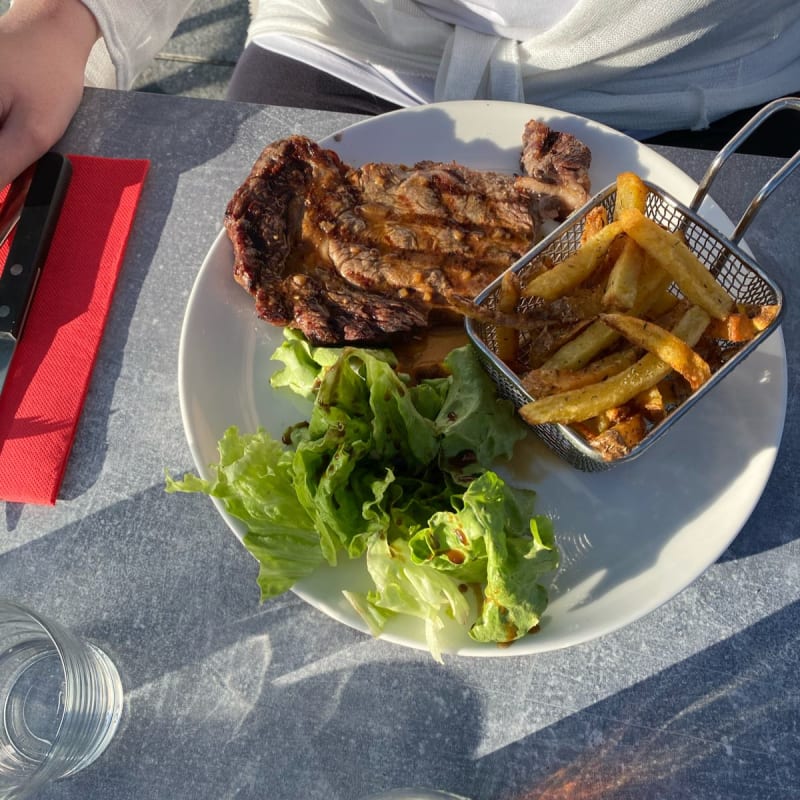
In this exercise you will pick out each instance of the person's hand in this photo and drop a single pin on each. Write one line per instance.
(44, 47)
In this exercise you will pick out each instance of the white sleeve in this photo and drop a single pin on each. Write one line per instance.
(133, 31)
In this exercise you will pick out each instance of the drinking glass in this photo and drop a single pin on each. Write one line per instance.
(60, 701)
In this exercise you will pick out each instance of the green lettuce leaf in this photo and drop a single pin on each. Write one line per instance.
(403, 586)
(476, 426)
(303, 363)
(397, 474)
(254, 482)
(488, 541)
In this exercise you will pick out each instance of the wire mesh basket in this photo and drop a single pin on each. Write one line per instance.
(731, 266)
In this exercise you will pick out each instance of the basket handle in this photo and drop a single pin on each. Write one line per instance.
(733, 145)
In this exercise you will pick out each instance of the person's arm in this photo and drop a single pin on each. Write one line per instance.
(44, 46)
(133, 32)
(44, 49)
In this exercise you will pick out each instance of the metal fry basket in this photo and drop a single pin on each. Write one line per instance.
(731, 266)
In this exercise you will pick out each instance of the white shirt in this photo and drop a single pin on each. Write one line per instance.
(634, 65)
(133, 33)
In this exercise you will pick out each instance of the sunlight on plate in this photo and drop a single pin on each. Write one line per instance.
(631, 538)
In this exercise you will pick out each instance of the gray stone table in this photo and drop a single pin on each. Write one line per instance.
(228, 698)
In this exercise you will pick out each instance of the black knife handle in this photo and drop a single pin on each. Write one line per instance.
(31, 241)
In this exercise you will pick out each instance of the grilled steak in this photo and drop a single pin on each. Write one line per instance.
(362, 254)
(558, 167)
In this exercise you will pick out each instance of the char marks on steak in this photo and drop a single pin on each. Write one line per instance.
(363, 254)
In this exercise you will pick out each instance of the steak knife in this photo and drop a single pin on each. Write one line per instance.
(34, 231)
(11, 207)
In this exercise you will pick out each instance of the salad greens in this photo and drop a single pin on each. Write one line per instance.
(398, 474)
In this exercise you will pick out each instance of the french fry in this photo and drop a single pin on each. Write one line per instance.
(631, 193)
(580, 350)
(584, 303)
(620, 438)
(664, 344)
(597, 337)
(574, 269)
(550, 339)
(743, 324)
(663, 304)
(596, 219)
(613, 416)
(765, 316)
(507, 299)
(675, 258)
(541, 382)
(669, 316)
(590, 401)
(674, 390)
(588, 428)
(734, 328)
(623, 279)
(630, 286)
(652, 403)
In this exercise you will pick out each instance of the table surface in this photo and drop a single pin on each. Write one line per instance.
(229, 698)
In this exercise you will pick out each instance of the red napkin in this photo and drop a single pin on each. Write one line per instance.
(46, 386)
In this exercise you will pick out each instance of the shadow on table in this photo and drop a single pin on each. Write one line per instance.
(227, 698)
(693, 730)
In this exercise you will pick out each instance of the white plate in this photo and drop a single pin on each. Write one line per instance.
(632, 537)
